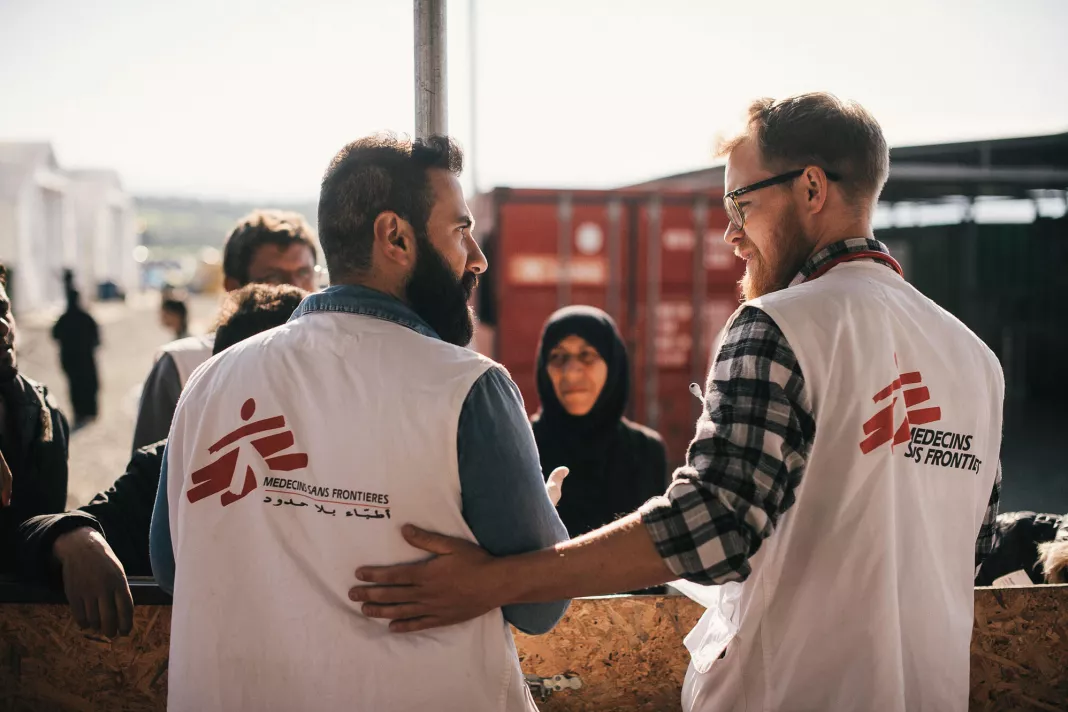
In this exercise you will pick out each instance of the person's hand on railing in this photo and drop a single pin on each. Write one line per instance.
(95, 582)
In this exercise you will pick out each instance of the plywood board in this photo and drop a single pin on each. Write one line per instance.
(48, 663)
(627, 651)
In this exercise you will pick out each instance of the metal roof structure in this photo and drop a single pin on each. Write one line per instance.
(1006, 167)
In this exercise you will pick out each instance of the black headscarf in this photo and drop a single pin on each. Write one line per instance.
(615, 465)
(598, 329)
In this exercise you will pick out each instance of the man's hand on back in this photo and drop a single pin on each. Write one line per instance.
(459, 583)
(95, 582)
(463, 581)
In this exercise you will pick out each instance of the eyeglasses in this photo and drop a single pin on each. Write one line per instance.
(279, 277)
(734, 212)
(560, 359)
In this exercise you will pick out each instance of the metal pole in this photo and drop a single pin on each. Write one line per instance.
(563, 246)
(431, 96)
(652, 299)
(615, 259)
(698, 354)
(472, 41)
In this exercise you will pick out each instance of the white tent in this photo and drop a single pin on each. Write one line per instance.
(36, 223)
(105, 233)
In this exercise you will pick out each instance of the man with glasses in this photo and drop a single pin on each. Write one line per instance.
(265, 247)
(843, 482)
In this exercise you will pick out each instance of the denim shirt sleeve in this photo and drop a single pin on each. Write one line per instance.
(160, 551)
(502, 488)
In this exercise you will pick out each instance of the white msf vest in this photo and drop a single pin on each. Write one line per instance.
(189, 353)
(862, 597)
(294, 458)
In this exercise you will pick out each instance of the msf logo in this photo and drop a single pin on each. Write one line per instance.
(880, 428)
(218, 476)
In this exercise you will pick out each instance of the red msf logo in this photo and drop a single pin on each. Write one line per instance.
(880, 428)
(219, 475)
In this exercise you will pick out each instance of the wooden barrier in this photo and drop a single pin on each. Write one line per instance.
(627, 651)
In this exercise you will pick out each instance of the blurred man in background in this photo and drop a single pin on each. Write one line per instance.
(79, 337)
(174, 316)
(268, 247)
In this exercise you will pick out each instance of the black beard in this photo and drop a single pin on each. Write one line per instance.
(435, 294)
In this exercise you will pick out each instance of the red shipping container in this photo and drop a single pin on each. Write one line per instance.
(632, 253)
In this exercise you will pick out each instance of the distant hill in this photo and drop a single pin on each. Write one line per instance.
(189, 222)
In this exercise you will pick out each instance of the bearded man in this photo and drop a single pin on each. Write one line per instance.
(295, 457)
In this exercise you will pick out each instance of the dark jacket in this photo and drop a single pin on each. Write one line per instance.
(37, 458)
(122, 515)
(609, 479)
(79, 336)
(1019, 534)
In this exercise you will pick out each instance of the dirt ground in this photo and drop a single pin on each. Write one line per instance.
(131, 334)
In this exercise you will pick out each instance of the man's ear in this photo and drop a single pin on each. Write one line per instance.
(394, 239)
(230, 284)
(815, 184)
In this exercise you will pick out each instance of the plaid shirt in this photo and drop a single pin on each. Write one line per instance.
(750, 451)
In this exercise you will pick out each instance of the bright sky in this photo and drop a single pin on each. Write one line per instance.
(251, 99)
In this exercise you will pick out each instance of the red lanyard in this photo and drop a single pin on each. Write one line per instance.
(865, 255)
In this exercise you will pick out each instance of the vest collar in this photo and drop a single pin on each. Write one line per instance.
(363, 301)
(818, 262)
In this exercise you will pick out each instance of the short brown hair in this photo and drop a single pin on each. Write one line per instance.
(252, 309)
(819, 129)
(264, 227)
(1053, 555)
(373, 175)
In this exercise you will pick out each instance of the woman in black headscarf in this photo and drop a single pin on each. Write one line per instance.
(583, 379)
